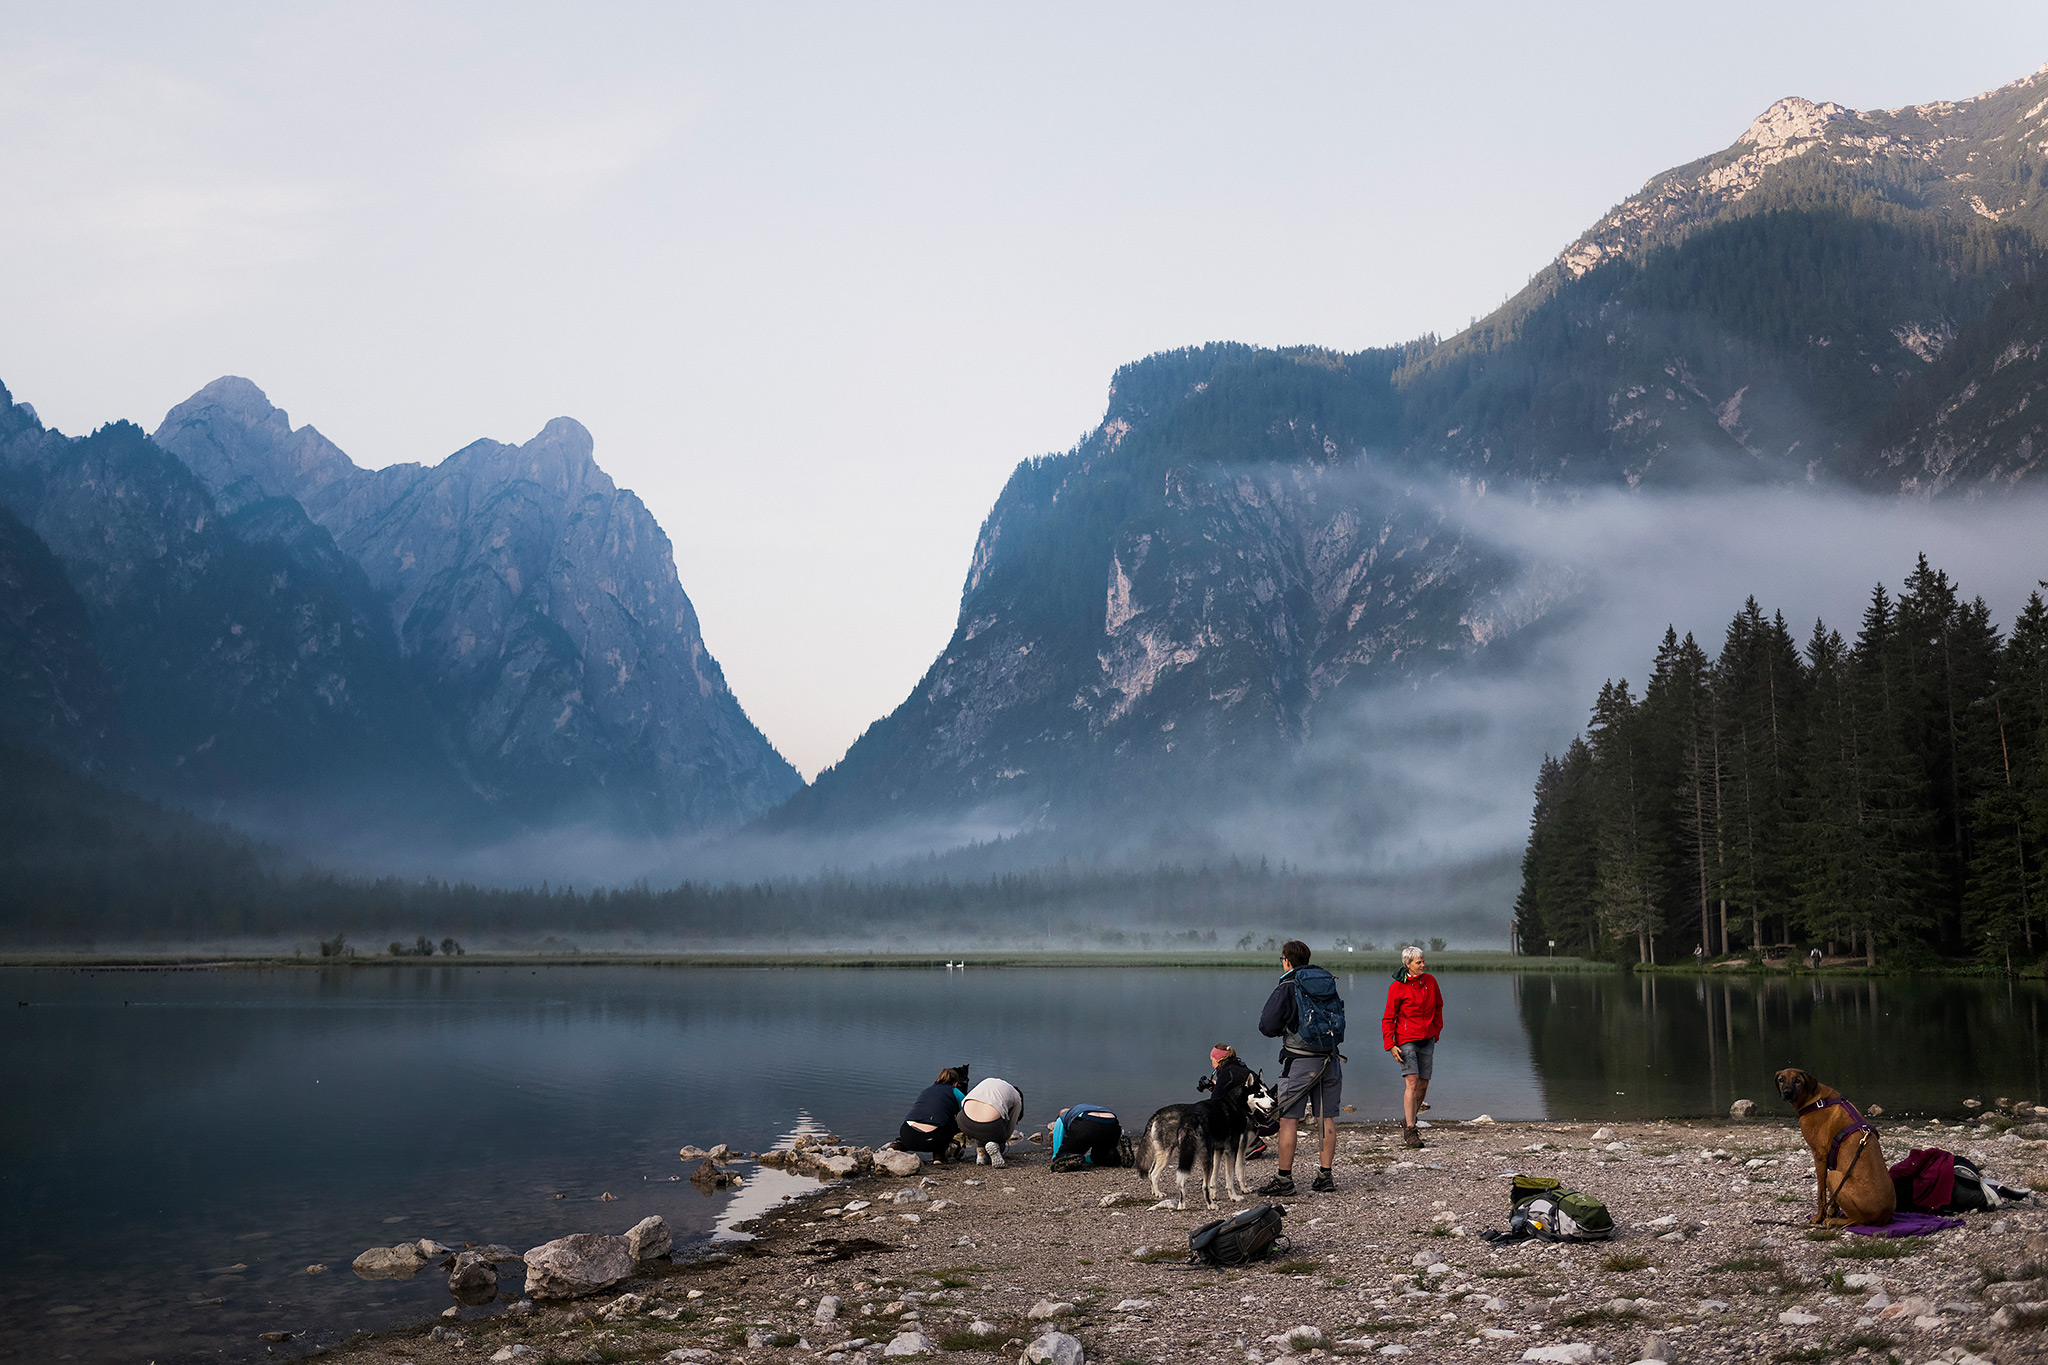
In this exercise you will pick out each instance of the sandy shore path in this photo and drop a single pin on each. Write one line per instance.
(1712, 1261)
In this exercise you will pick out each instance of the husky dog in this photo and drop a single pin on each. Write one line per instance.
(1213, 1133)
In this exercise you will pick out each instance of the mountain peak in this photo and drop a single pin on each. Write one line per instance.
(1792, 119)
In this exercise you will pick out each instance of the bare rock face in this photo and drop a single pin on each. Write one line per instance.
(649, 1238)
(537, 599)
(583, 1263)
(1742, 1109)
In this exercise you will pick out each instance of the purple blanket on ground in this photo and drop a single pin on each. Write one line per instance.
(1905, 1224)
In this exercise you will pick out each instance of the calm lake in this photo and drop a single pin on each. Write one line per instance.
(177, 1147)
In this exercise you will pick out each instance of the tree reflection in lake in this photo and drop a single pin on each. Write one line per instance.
(1650, 1046)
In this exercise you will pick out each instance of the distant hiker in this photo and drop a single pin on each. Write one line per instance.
(1307, 1015)
(989, 1115)
(1699, 954)
(1813, 959)
(930, 1126)
(1414, 1018)
(1227, 1067)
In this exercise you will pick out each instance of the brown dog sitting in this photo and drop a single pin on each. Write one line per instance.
(1852, 1182)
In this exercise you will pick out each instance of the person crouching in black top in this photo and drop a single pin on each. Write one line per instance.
(933, 1121)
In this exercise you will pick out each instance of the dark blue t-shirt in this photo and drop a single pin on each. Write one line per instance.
(936, 1104)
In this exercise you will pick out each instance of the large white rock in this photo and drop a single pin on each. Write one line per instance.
(827, 1309)
(649, 1238)
(401, 1262)
(1046, 1308)
(582, 1263)
(1055, 1348)
(1568, 1353)
(910, 1344)
(898, 1163)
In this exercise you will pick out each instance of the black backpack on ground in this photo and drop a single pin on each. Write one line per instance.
(1240, 1240)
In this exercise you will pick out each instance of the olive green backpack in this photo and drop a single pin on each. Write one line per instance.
(1542, 1207)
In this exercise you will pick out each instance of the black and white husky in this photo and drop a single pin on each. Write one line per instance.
(1213, 1134)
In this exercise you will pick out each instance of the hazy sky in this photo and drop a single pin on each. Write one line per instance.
(817, 277)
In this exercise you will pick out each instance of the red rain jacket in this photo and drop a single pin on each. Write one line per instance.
(1415, 1009)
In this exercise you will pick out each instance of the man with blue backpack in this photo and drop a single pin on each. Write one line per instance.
(1307, 1015)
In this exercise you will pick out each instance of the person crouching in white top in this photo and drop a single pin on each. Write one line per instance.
(988, 1117)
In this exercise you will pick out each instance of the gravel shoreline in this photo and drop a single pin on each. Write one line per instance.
(1711, 1261)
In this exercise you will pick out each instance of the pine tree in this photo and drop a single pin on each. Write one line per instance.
(1759, 687)
(1681, 754)
(1627, 858)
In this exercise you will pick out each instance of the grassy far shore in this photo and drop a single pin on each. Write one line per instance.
(1447, 961)
(160, 958)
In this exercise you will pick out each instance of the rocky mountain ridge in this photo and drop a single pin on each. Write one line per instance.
(495, 643)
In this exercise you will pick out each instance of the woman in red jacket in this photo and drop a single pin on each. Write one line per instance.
(1414, 1018)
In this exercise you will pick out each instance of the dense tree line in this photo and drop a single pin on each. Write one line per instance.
(1886, 794)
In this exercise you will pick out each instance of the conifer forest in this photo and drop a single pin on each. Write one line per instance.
(1882, 796)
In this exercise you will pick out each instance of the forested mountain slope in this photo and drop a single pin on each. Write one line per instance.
(1166, 617)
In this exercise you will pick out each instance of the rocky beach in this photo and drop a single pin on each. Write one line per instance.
(1712, 1259)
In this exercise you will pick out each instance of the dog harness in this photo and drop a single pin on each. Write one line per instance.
(1857, 1124)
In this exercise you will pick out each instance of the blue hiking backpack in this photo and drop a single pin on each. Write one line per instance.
(1319, 1010)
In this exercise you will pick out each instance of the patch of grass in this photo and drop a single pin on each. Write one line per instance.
(1870, 1341)
(1873, 1249)
(1504, 1274)
(1439, 1230)
(1086, 1261)
(1803, 1354)
(1823, 1235)
(1304, 1266)
(1750, 1265)
(1622, 1262)
(1597, 1317)
(960, 1339)
(1158, 1254)
(2038, 1184)
(1790, 1199)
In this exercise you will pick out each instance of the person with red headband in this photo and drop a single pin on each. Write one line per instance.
(1228, 1067)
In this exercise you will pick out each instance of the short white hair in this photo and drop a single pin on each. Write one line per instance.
(1410, 953)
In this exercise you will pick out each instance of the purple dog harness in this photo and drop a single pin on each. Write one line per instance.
(1860, 1125)
(1857, 1125)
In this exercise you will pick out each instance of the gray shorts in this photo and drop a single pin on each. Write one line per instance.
(1312, 1084)
(1418, 1059)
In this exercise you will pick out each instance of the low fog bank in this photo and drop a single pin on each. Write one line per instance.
(1413, 798)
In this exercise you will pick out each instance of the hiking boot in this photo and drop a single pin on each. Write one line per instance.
(1258, 1149)
(1280, 1186)
(1423, 1107)
(1324, 1183)
(1411, 1137)
(995, 1154)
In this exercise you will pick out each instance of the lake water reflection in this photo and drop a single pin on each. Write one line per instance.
(174, 1138)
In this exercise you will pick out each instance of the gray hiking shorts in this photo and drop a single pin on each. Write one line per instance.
(1418, 1059)
(1312, 1085)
